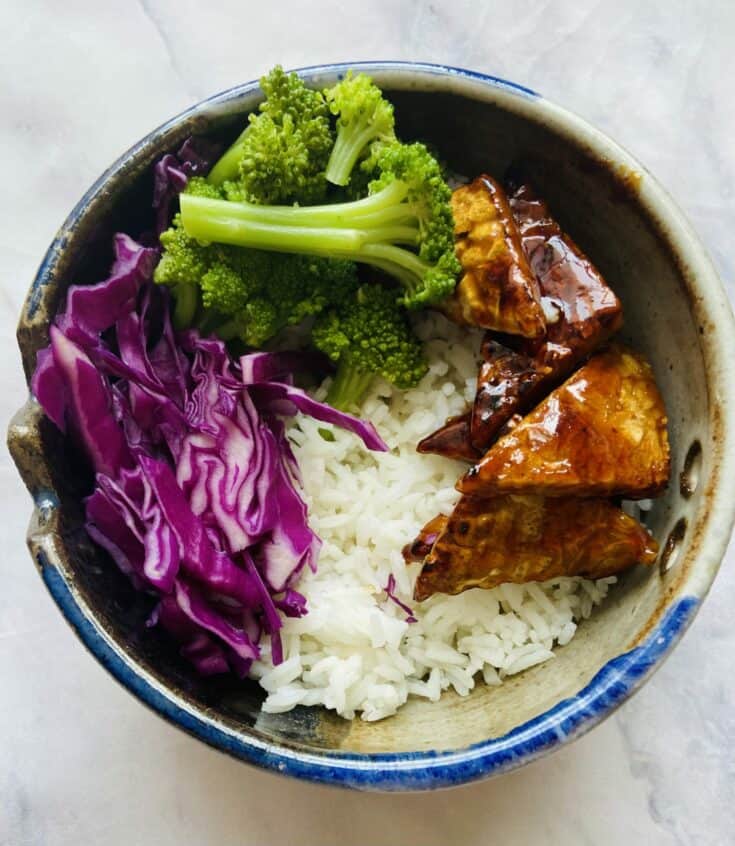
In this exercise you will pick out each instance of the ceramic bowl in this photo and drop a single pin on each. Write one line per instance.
(676, 313)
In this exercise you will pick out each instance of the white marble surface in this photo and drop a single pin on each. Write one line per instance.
(81, 762)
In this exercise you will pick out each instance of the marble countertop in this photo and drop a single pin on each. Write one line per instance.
(81, 762)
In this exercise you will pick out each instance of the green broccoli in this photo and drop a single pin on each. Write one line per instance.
(282, 154)
(248, 255)
(258, 321)
(363, 116)
(246, 293)
(183, 264)
(367, 337)
(404, 226)
(200, 187)
(277, 290)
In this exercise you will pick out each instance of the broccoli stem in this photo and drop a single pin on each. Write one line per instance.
(186, 300)
(222, 229)
(364, 231)
(346, 151)
(382, 207)
(228, 331)
(227, 167)
(406, 266)
(349, 386)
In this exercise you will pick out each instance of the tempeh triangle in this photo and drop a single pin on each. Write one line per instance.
(488, 542)
(497, 289)
(602, 433)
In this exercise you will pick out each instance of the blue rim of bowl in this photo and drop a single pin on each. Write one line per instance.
(569, 719)
(395, 771)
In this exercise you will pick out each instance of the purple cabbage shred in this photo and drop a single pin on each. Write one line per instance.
(197, 496)
(390, 591)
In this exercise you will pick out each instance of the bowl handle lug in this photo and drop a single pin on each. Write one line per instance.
(26, 446)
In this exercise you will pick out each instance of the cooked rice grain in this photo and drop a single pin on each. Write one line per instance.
(354, 652)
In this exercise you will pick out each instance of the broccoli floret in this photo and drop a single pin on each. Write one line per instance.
(282, 154)
(223, 289)
(430, 199)
(403, 227)
(235, 277)
(258, 321)
(367, 337)
(183, 264)
(184, 261)
(200, 187)
(247, 293)
(259, 264)
(289, 289)
(363, 116)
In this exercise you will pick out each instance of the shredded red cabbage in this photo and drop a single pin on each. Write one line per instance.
(390, 590)
(197, 489)
(171, 172)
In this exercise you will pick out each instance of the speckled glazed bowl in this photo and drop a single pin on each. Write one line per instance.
(676, 313)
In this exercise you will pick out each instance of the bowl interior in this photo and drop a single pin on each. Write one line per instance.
(601, 202)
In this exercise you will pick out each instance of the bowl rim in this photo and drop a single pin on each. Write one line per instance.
(619, 677)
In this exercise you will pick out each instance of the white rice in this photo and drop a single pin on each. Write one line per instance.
(354, 652)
